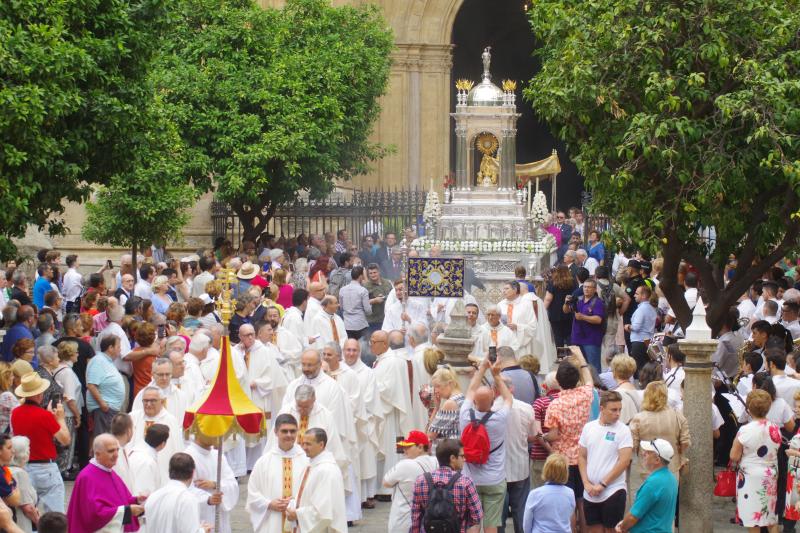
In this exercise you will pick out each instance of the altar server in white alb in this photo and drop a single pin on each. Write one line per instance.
(204, 485)
(293, 320)
(328, 325)
(494, 333)
(517, 313)
(143, 460)
(391, 378)
(417, 309)
(275, 479)
(368, 442)
(319, 506)
(153, 412)
(263, 380)
(173, 508)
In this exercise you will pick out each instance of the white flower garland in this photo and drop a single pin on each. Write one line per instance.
(544, 246)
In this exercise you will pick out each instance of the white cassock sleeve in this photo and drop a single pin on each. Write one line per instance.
(257, 504)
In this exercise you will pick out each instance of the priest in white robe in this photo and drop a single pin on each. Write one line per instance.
(417, 309)
(186, 384)
(198, 351)
(293, 317)
(289, 345)
(263, 381)
(153, 412)
(122, 429)
(391, 378)
(143, 460)
(517, 313)
(316, 291)
(320, 501)
(347, 379)
(419, 339)
(275, 479)
(493, 333)
(173, 508)
(204, 483)
(175, 400)
(328, 325)
(368, 442)
(544, 343)
(328, 393)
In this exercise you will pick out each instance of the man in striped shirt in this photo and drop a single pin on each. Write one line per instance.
(450, 455)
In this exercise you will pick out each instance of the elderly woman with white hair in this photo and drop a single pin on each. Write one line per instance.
(161, 300)
(540, 449)
(29, 515)
(48, 363)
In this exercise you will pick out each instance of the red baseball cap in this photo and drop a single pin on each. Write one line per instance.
(415, 438)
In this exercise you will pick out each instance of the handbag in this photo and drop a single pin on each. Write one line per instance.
(726, 483)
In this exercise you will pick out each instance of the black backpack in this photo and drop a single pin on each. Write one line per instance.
(440, 514)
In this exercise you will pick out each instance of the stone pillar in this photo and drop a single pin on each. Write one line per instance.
(462, 179)
(698, 485)
(414, 125)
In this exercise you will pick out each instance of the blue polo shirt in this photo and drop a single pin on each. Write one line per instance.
(102, 373)
(16, 332)
(654, 507)
(40, 288)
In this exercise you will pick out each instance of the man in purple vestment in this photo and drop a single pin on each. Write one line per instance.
(100, 500)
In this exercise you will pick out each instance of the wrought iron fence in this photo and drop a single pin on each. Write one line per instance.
(360, 212)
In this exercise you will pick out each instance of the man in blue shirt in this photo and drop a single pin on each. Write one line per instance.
(653, 510)
(42, 284)
(21, 329)
(104, 385)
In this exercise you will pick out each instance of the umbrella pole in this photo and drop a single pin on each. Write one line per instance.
(217, 510)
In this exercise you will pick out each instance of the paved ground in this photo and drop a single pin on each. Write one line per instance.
(376, 520)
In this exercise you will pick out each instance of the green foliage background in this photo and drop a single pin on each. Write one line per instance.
(681, 115)
(72, 87)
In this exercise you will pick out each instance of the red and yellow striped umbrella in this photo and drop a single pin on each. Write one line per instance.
(225, 408)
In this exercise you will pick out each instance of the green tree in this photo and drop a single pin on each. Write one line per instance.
(150, 203)
(681, 115)
(271, 102)
(71, 92)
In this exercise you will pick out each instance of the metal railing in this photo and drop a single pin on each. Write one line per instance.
(360, 212)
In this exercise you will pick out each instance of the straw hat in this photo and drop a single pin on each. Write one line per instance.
(248, 271)
(32, 384)
(20, 367)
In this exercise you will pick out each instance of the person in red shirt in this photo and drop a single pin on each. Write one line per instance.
(41, 425)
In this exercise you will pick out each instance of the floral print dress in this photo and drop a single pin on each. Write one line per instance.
(757, 483)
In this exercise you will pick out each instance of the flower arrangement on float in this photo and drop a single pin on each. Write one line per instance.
(541, 247)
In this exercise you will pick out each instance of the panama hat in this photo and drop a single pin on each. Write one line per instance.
(32, 384)
(248, 271)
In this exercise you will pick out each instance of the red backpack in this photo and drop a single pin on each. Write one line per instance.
(475, 439)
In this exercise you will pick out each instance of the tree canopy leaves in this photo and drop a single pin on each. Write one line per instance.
(72, 87)
(270, 102)
(681, 116)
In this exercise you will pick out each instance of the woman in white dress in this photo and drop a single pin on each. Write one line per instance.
(755, 448)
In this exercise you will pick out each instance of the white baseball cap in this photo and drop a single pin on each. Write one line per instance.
(662, 448)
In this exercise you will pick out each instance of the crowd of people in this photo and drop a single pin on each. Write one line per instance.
(574, 401)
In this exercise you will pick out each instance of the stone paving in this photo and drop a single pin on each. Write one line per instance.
(376, 520)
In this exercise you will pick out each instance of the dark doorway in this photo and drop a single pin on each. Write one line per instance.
(503, 25)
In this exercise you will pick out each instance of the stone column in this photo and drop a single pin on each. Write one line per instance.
(509, 159)
(462, 181)
(414, 125)
(698, 485)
